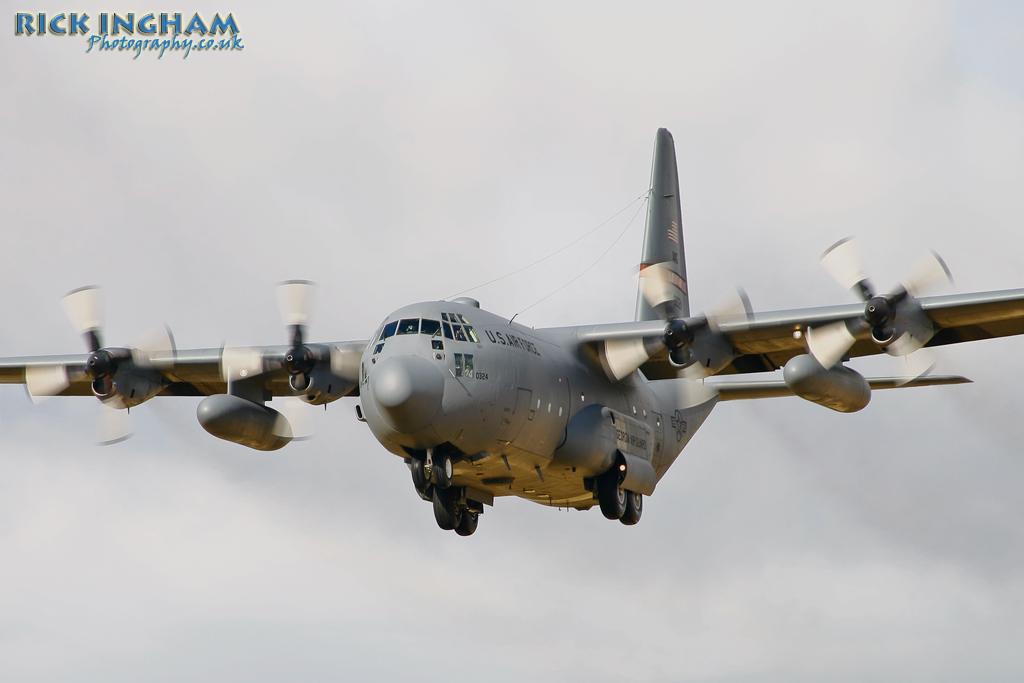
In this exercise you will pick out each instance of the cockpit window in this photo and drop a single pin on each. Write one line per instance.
(431, 327)
(389, 330)
(409, 326)
(462, 318)
(444, 317)
(378, 348)
(472, 334)
(447, 330)
(459, 334)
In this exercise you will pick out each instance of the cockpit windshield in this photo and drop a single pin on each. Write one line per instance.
(409, 326)
(389, 330)
(431, 327)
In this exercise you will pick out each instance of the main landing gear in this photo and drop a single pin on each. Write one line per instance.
(432, 473)
(615, 501)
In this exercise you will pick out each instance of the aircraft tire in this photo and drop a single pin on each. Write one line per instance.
(446, 512)
(443, 470)
(467, 525)
(419, 473)
(610, 496)
(634, 508)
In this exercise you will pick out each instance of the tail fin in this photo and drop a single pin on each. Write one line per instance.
(663, 292)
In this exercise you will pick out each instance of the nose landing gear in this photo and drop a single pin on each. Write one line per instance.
(432, 474)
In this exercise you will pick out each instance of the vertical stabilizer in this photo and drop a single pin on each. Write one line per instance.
(663, 290)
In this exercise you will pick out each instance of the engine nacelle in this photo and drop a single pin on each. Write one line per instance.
(133, 385)
(330, 380)
(838, 388)
(598, 438)
(233, 418)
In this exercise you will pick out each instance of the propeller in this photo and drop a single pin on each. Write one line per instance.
(296, 299)
(680, 334)
(85, 311)
(896, 320)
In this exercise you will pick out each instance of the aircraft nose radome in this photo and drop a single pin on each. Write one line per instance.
(408, 392)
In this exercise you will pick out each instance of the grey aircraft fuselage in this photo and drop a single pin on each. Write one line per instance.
(504, 395)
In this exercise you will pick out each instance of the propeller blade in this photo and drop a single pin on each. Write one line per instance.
(299, 414)
(843, 262)
(84, 308)
(43, 381)
(112, 424)
(659, 285)
(156, 347)
(830, 343)
(239, 362)
(914, 366)
(623, 356)
(929, 271)
(733, 306)
(283, 428)
(296, 299)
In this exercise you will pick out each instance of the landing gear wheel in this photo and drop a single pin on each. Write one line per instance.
(443, 470)
(634, 508)
(446, 512)
(610, 495)
(467, 525)
(419, 473)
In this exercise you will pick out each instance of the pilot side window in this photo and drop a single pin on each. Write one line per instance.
(377, 349)
(472, 334)
(463, 365)
(409, 326)
(447, 330)
(431, 327)
(459, 334)
(389, 330)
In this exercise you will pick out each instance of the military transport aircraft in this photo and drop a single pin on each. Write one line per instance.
(482, 407)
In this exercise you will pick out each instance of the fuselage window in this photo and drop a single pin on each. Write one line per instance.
(459, 334)
(447, 330)
(458, 365)
(378, 349)
(389, 330)
(468, 365)
(463, 365)
(431, 327)
(409, 326)
(472, 334)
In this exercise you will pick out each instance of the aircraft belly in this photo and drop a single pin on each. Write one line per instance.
(520, 473)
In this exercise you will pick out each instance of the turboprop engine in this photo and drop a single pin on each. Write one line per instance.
(838, 387)
(598, 439)
(236, 419)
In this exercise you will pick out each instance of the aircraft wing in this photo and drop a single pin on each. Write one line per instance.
(763, 342)
(195, 372)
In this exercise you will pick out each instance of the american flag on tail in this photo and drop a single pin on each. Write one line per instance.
(673, 231)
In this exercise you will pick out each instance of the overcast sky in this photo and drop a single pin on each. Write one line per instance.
(397, 152)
